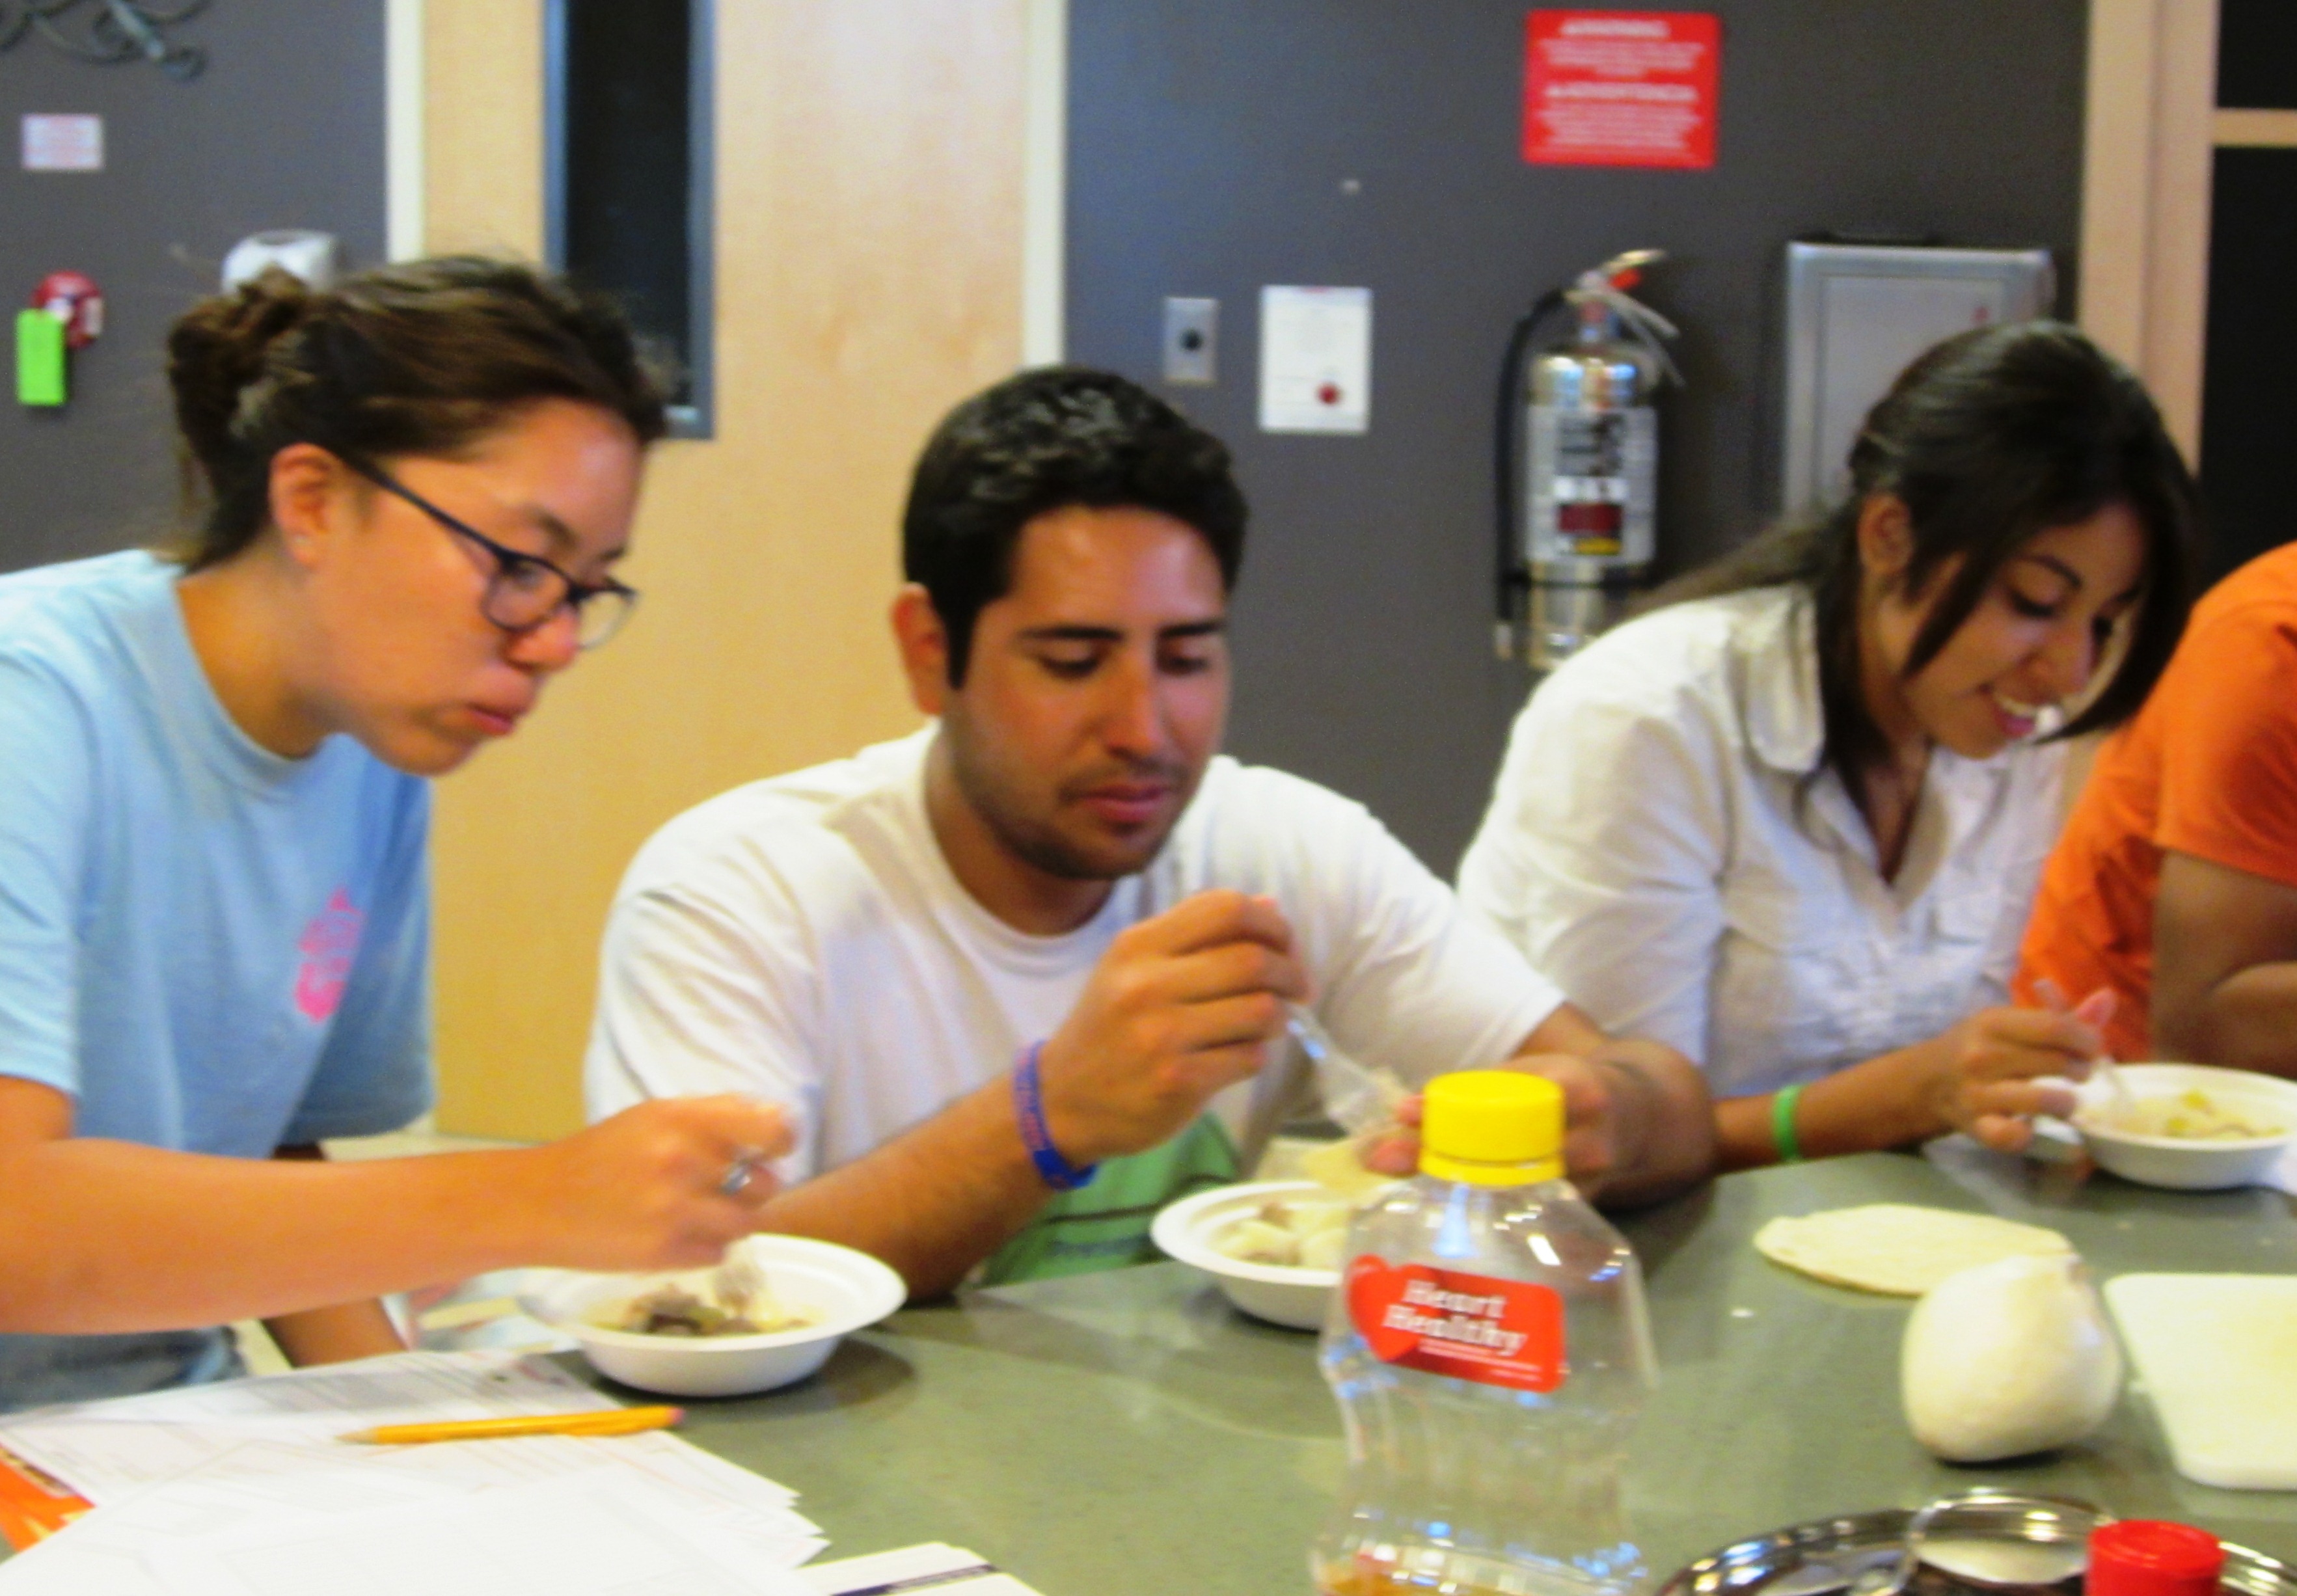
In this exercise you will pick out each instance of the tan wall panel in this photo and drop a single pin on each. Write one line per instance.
(868, 274)
(2254, 129)
(483, 144)
(2177, 272)
(2117, 177)
(2145, 196)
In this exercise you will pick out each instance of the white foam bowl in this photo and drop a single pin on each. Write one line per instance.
(1294, 1298)
(2184, 1163)
(844, 1289)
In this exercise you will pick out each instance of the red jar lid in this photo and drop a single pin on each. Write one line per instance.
(2145, 1557)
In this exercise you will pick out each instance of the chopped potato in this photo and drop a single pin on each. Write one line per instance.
(2194, 1115)
(1291, 1232)
(672, 1310)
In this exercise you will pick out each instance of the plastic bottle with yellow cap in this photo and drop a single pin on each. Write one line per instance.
(1490, 1352)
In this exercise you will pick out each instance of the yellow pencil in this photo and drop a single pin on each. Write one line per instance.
(606, 1421)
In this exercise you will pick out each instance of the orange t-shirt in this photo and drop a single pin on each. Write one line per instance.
(2208, 768)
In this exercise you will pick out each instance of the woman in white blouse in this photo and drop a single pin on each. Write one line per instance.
(1790, 820)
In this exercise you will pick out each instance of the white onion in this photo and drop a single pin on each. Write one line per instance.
(2008, 1358)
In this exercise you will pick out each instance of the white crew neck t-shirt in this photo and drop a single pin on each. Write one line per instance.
(1664, 842)
(803, 940)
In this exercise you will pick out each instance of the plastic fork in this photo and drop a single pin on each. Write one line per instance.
(2124, 1104)
(1359, 1098)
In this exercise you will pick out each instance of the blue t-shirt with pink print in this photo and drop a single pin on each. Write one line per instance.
(208, 947)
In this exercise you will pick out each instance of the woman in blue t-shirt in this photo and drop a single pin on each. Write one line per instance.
(213, 914)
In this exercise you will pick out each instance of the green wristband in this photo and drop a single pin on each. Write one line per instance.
(1782, 1126)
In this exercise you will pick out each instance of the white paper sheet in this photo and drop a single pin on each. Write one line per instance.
(270, 1492)
(912, 1571)
(106, 1450)
(245, 1488)
(596, 1533)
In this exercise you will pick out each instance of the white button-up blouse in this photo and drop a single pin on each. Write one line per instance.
(1660, 845)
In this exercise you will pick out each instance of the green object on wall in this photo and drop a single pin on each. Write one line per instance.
(40, 358)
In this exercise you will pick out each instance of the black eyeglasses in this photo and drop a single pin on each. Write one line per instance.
(524, 590)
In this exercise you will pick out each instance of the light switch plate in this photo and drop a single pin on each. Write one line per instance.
(1191, 331)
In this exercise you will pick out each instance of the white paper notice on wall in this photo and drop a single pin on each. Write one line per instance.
(64, 144)
(1315, 359)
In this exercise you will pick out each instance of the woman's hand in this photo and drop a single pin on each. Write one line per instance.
(1985, 1080)
(668, 1184)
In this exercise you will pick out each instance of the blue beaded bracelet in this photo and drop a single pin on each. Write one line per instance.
(1029, 1107)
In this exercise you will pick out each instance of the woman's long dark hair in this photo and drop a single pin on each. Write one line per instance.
(1988, 438)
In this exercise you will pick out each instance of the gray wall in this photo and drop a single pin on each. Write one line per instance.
(284, 128)
(1209, 144)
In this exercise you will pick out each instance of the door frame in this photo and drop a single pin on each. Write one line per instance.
(2148, 131)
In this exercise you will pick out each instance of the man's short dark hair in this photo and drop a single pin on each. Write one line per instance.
(1045, 439)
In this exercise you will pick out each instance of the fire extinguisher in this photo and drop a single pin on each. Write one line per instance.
(1577, 462)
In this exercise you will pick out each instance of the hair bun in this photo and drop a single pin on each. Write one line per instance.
(422, 357)
(220, 348)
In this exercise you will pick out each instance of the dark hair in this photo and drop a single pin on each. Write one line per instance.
(421, 359)
(1989, 438)
(1047, 439)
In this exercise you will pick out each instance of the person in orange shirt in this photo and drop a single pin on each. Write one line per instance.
(2174, 881)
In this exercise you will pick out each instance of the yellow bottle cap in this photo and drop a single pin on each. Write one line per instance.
(1492, 1128)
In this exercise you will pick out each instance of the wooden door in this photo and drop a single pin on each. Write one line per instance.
(869, 176)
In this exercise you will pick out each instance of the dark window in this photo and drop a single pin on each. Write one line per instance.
(2257, 55)
(628, 147)
(2252, 348)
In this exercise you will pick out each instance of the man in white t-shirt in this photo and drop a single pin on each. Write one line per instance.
(1021, 978)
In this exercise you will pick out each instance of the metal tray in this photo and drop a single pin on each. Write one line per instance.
(1888, 1553)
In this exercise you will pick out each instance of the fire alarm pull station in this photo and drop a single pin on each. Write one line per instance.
(66, 312)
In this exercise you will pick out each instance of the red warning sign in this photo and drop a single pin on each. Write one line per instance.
(1621, 88)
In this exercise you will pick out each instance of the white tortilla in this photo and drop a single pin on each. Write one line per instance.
(1896, 1248)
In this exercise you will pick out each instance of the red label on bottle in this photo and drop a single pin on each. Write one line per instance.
(1469, 1327)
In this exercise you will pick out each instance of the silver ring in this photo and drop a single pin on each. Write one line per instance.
(738, 1175)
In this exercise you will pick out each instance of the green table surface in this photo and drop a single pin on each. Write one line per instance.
(1127, 1434)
